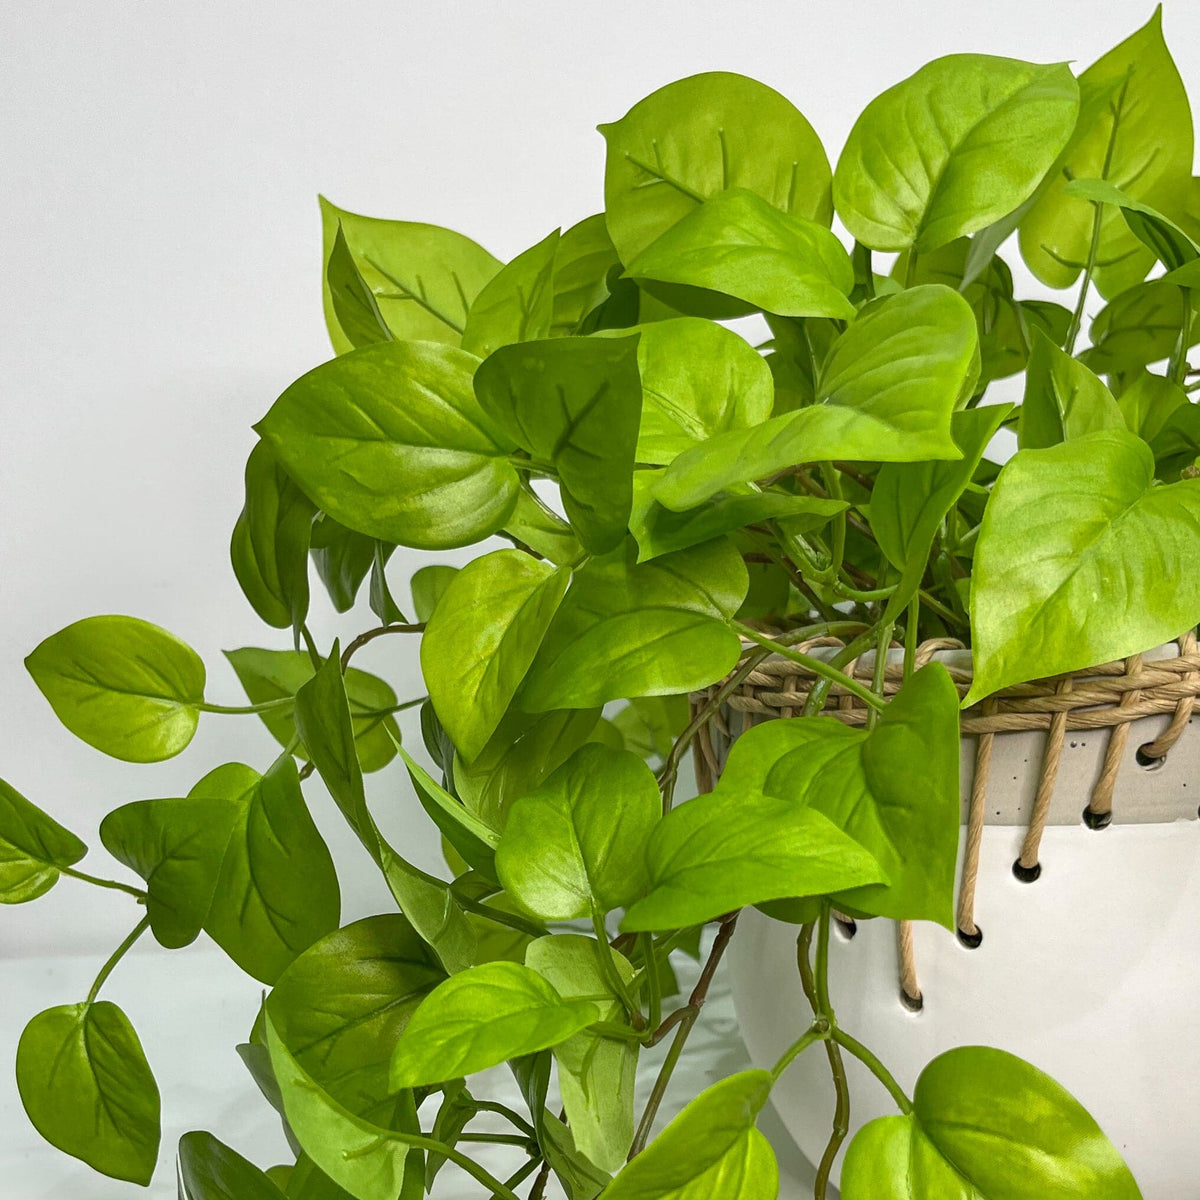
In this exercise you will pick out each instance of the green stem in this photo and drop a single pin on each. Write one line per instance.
(509, 1114)
(854, 1046)
(818, 1031)
(499, 916)
(815, 665)
(1090, 266)
(653, 982)
(314, 655)
(910, 636)
(495, 1139)
(104, 883)
(880, 674)
(237, 710)
(833, 484)
(519, 1176)
(609, 964)
(816, 696)
(1177, 371)
(118, 954)
(910, 267)
(818, 991)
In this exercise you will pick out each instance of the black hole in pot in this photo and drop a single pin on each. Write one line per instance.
(1150, 762)
(1027, 874)
(912, 1003)
(972, 941)
(846, 926)
(1096, 820)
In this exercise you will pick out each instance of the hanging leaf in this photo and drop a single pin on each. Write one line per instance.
(699, 136)
(210, 1170)
(428, 585)
(342, 558)
(125, 686)
(34, 848)
(354, 305)
(582, 262)
(1063, 399)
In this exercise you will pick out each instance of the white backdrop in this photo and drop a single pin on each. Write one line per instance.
(160, 282)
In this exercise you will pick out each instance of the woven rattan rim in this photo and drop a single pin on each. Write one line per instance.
(1110, 696)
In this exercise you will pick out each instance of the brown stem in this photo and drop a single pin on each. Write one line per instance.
(363, 638)
(539, 1184)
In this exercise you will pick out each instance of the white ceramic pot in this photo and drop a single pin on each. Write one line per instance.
(1092, 973)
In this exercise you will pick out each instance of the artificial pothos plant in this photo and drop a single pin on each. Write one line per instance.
(658, 504)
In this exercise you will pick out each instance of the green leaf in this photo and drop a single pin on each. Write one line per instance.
(276, 674)
(177, 847)
(986, 1126)
(382, 603)
(735, 847)
(910, 500)
(341, 1005)
(482, 638)
(1135, 131)
(649, 725)
(885, 394)
(711, 1149)
(308, 1182)
(863, 782)
(88, 1090)
(125, 686)
(342, 558)
(480, 1018)
(472, 837)
(595, 1073)
(584, 257)
(952, 148)
(573, 403)
(1063, 399)
(323, 721)
(210, 1170)
(698, 379)
(1078, 559)
(1140, 326)
(33, 848)
(695, 138)
(269, 547)
(423, 277)
(737, 244)
(517, 305)
(354, 305)
(428, 585)
(371, 1163)
(1177, 444)
(542, 530)
(277, 892)
(640, 629)
(524, 749)
(575, 845)
(1156, 231)
(1148, 402)
(659, 530)
(391, 442)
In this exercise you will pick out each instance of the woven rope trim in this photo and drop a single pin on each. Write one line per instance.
(1100, 697)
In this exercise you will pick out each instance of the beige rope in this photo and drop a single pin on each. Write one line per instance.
(910, 989)
(1183, 712)
(1099, 810)
(968, 930)
(1027, 867)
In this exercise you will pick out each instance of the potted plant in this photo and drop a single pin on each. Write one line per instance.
(677, 509)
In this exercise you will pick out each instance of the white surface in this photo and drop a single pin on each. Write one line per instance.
(192, 1008)
(160, 287)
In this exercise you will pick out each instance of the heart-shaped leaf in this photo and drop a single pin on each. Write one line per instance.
(125, 686)
(711, 1149)
(574, 845)
(573, 403)
(423, 278)
(885, 393)
(739, 245)
(695, 138)
(88, 1089)
(640, 629)
(517, 304)
(33, 848)
(480, 1018)
(909, 174)
(391, 442)
(1069, 531)
(482, 638)
(986, 1126)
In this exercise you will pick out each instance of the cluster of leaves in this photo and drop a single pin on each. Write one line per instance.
(677, 504)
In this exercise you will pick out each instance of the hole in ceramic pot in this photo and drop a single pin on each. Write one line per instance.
(1096, 820)
(912, 1003)
(1149, 762)
(1027, 874)
(972, 941)
(846, 926)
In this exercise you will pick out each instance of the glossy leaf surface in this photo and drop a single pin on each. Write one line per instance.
(33, 848)
(1063, 399)
(517, 304)
(210, 1170)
